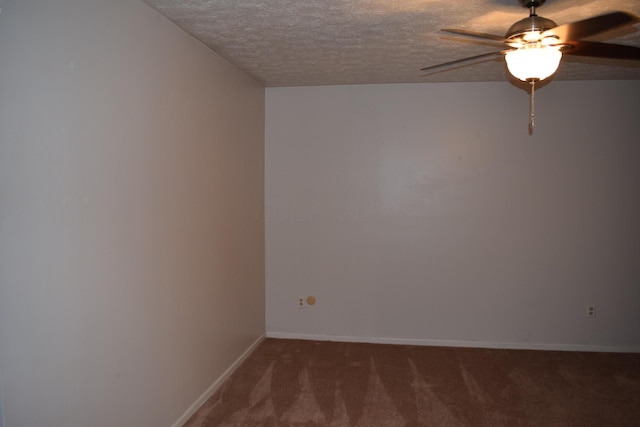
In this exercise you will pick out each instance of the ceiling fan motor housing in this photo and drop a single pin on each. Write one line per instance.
(531, 24)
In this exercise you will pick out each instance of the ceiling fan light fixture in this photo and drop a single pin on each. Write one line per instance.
(534, 61)
(535, 45)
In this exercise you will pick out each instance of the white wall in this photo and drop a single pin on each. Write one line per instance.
(131, 237)
(428, 214)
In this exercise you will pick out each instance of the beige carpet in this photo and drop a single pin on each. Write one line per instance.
(309, 383)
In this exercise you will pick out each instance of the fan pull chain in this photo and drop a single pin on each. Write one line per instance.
(532, 102)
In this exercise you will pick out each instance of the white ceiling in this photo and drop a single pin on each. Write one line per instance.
(326, 42)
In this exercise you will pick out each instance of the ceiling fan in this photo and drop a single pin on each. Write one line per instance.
(533, 46)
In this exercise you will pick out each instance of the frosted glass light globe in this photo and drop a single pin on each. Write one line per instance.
(533, 62)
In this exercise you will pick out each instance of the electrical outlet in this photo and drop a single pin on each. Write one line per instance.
(301, 302)
(591, 310)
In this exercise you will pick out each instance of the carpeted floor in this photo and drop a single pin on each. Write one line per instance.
(310, 383)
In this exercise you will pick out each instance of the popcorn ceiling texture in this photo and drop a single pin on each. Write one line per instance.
(327, 42)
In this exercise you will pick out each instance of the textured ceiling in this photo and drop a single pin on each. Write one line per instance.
(326, 42)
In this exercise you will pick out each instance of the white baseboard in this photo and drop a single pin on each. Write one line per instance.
(217, 383)
(456, 343)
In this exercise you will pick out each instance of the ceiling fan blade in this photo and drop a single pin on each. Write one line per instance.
(476, 41)
(591, 26)
(602, 50)
(475, 34)
(460, 61)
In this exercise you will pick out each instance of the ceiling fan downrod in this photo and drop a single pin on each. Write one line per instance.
(531, 5)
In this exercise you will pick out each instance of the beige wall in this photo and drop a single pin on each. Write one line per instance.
(428, 214)
(131, 237)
